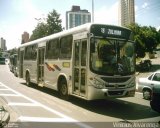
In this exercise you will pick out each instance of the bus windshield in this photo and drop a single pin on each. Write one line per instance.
(112, 57)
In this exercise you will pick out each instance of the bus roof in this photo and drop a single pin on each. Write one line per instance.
(59, 34)
(84, 27)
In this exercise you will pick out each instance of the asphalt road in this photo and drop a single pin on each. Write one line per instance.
(36, 104)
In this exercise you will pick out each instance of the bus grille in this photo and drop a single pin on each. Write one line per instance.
(115, 80)
(113, 86)
(115, 92)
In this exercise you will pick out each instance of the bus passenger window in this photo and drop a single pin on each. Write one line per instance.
(34, 52)
(84, 53)
(66, 47)
(52, 49)
(76, 79)
(76, 54)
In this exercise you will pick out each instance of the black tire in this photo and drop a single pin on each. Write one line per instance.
(147, 94)
(155, 106)
(63, 90)
(28, 82)
(15, 74)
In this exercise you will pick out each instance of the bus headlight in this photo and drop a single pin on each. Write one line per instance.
(98, 84)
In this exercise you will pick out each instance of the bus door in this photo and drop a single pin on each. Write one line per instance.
(40, 63)
(79, 67)
(21, 63)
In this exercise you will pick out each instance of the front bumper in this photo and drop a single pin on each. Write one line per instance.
(95, 93)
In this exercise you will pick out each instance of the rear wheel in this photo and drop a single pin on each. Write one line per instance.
(63, 90)
(155, 106)
(147, 94)
(28, 79)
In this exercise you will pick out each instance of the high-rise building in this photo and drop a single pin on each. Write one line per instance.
(126, 12)
(25, 37)
(77, 17)
(3, 44)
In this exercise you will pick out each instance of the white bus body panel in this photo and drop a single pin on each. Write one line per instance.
(31, 67)
(52, 71)
(55, 68)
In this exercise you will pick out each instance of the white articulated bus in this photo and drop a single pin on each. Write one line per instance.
(92, 61)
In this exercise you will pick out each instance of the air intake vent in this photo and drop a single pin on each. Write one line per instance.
(115, 80)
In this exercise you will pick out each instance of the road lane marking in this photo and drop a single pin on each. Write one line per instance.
(4, 89)
(35, 102)
(57, 120)
(22, 104)
(9, 95)
(36, 119)
(41, 119)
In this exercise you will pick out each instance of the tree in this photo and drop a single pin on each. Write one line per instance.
(158, 37)
(0, 52)
(146, 39)
(13, 51)
(139, 47)
(48, 26)
(139, 44)
(39, 32)
(53, 23)
(150, 38)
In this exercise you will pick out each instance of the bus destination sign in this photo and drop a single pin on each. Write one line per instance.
(110, 31)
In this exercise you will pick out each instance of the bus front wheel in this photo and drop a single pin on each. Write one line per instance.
(63, 90)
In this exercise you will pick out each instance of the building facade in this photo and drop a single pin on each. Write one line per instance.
(77, 17)
(25, 37)
(126, 12)
(3, 44)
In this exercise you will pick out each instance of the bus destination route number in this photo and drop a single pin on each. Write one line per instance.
(111, 31)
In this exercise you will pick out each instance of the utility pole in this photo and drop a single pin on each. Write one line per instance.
(92, 11)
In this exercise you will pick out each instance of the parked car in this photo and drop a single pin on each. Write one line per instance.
(2, 60)
(145, 85)
(144, 65)
(155, 99)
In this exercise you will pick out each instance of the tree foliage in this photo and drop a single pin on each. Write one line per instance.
(13, 51)
(146, 39)
(150, 38)
(48, 26)
(0, 52)
(53, 23)
(39, 32)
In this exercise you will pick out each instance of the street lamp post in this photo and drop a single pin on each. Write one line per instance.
(92, 11)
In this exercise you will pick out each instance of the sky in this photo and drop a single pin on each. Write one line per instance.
(17, 16)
